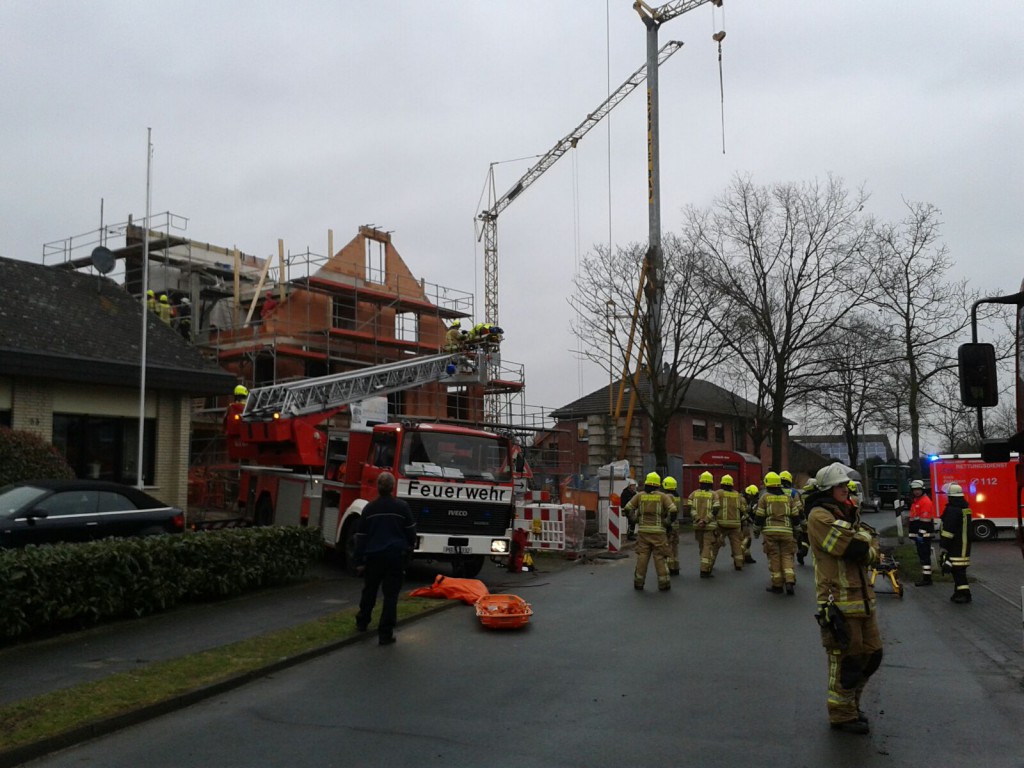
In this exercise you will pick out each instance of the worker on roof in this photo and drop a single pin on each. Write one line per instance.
(652, 512)
(151, 300)
(705, 526)
(269, 305)
(183, 318)
(163, 309)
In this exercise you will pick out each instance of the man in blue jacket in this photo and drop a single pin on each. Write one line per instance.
(386, 531)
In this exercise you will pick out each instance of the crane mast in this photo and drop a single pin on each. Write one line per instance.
(489, 218)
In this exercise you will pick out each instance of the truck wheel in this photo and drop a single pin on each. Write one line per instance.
(983, 530)
(348, 545)
(468, 566)
(264, 514)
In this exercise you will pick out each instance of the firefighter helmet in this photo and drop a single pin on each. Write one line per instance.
(726, 480)
(456, 323)
(917, 485)
(150, 294)
(832, 475)
(772, 480)
(653, 478)
(163, 298)
(785, 475)
(751, 490)
(955, 490)
(669, 484)
(707, 477)
(241, 391)
(852, 485)
(810, 486)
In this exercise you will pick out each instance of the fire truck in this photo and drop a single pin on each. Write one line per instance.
(296, 470)
(990, 489)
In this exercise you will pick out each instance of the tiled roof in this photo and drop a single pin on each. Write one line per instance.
(702, 396)
(72, 326)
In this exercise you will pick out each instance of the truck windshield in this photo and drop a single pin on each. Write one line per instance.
(889, 473)
(437, 454)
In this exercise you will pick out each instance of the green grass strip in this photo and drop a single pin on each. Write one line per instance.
(49, 715)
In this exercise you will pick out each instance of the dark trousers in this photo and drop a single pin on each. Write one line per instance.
(383, 569)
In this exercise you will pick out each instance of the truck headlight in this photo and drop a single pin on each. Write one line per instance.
(499, 546)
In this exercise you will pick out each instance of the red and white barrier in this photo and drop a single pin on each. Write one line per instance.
(558, 527)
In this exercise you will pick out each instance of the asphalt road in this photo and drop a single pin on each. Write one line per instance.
(714, 673)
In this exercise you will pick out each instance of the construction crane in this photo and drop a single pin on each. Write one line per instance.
(653, 18)
(489, 217)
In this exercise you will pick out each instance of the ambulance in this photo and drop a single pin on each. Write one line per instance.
(990, 489)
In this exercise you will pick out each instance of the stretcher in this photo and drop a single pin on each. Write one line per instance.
(889, 568)
(503, 611)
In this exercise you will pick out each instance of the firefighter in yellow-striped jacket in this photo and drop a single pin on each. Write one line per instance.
(775, 517)
(750, 496)
(731, 508)
(653, 513)
(705, 527)
(669, 485)
(956, 541)
(843, 549)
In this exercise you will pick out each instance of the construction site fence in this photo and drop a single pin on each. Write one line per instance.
(552, 527)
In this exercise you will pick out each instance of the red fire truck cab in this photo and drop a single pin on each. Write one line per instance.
(990, 490)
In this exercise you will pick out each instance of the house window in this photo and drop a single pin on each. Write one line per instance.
(700, 429)
(105, 448)
(343, 312)
(582, 431)
(739, 436)
(458, 403)
(407, 326)
(719, 432)
(396, 404)
(375, 251)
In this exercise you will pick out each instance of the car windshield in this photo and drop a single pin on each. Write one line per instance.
(14, 497)
(438, 454)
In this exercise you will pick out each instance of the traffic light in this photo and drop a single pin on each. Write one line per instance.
(978, 386)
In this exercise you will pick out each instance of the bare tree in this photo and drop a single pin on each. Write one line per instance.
(786, 266)
(852, 356)
(927, 313)
(609, 320)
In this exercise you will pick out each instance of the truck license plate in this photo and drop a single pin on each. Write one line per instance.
(458, 550)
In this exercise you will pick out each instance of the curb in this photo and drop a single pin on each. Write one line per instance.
(18, 755)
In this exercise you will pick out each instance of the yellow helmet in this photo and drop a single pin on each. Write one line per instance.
(163, 298)
(852, 485)
(669, 483)
(456, 323)
(785, 475)
(726, 480)
(707, 477)
(772, 480)
(150, 293)
(241, 391)
(653, 478)
(751, 490)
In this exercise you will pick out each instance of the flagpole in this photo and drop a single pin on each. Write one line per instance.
(139, 479)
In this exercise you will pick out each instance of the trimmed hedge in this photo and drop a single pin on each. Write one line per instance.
(64, 587)
(26, 456)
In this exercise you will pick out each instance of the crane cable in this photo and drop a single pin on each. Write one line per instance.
(718, 37)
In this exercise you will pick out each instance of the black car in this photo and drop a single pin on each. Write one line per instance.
(47, 511)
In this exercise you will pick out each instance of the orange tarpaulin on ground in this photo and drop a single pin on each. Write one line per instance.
(466, 590)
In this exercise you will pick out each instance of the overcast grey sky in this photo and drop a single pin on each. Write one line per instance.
(282, 120)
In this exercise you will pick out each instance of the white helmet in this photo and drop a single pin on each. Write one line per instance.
(954, 490)
(832, 475)
(917, 485)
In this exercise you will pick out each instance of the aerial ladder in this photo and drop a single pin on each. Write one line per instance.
(278, 423)
(489, 218)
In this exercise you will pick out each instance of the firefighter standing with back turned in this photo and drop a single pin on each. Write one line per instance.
(843, 549)
(922, 526)
(731, 510)
(653, 513)
(750, 493)
(956, 541)
(669, 485)
(775, 517)
(705, 528)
